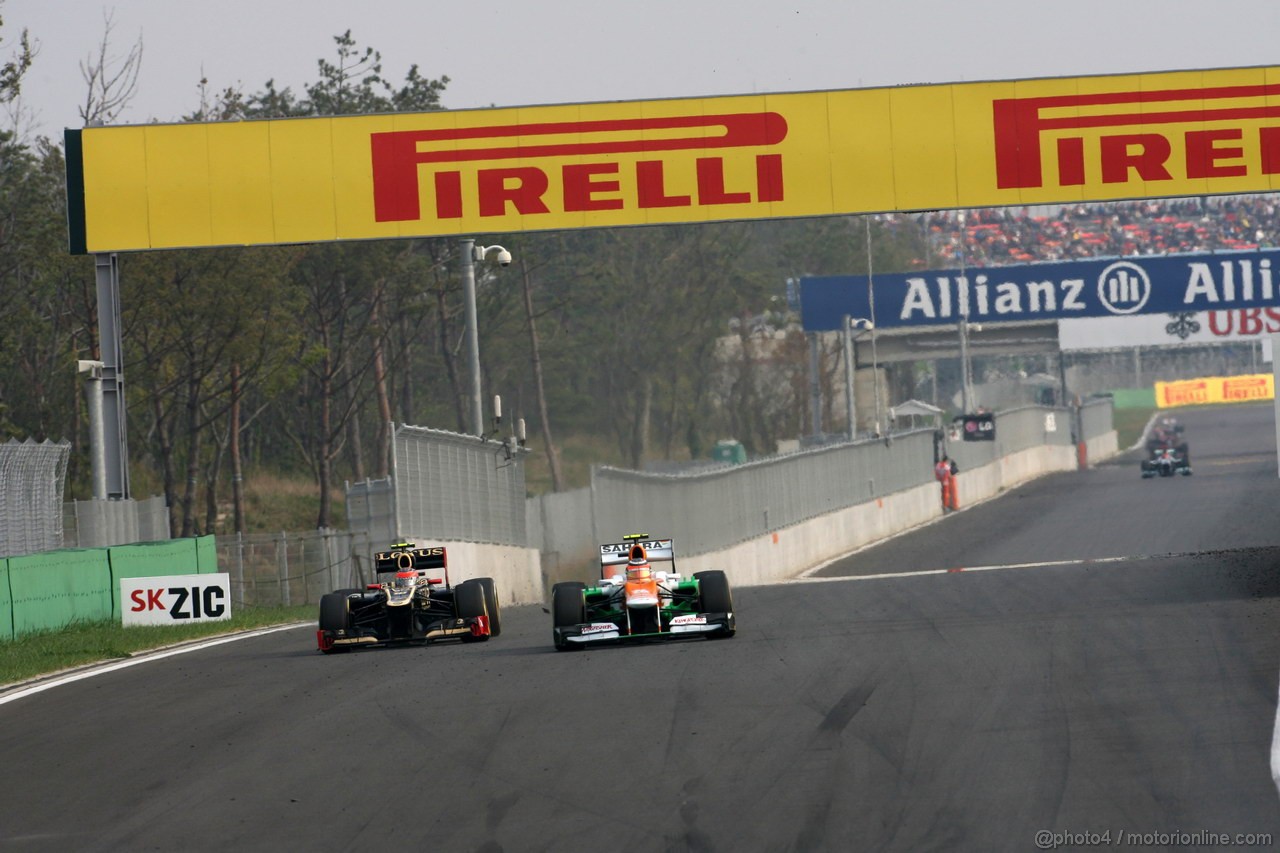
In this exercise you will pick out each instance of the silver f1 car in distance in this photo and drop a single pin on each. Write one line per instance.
(632, 602)
(409, 605)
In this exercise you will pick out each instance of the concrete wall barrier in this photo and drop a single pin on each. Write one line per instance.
(790, 551)
(787, 552)
(804, 546)
(516, 571)
(1102, 447)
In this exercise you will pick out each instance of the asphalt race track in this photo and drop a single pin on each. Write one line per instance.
(964, 707)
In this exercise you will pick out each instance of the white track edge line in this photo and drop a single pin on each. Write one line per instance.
(142, 657)
(962, 570)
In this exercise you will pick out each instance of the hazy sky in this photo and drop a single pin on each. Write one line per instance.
(566, 51)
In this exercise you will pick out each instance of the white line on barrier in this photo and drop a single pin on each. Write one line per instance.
(144, 657)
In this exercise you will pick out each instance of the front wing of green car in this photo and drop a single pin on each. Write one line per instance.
(607, 619)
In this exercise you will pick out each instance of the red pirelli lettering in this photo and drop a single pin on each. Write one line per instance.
(1020, 125)
(397, 156)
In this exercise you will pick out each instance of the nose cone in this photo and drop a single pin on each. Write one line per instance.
(642, 598)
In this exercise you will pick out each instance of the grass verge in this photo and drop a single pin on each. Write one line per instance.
(32, 655)
(1128, 424)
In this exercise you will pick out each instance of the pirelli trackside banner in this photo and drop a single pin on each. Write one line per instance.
(1104, 287)
(693, 160)
(1216, 389)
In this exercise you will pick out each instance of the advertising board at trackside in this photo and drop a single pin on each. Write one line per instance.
(1215, 389)
(1100, 287)
(1237, 326)
(175, 599)
(982, 144)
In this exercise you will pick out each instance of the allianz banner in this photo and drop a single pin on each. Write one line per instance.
(1107, 287)
(991, 144)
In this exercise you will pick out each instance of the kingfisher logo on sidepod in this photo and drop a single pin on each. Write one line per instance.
(582, 186)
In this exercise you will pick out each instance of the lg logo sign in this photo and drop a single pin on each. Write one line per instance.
(175, 599)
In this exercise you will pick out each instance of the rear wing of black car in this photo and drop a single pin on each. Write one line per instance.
(410, 559)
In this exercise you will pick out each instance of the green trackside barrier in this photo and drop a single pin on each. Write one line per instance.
(207, 555)
(53, 589)
(6, 602)
(1134, 398)
(148, 559)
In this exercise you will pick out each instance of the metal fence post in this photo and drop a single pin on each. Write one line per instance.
(282, 560)
(240, 567)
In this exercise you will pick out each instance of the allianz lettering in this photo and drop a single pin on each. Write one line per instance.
(1122, 287)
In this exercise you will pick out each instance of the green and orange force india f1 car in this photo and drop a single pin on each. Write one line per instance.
(409, 605)
(632, 601)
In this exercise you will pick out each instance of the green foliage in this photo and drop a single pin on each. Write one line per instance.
(1129, 424)
(12, 70)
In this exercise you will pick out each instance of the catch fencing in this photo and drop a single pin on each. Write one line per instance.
(443, 482)
(32, 475)
(98, 524)
(286, 569)
(458, 487)
(714, 510)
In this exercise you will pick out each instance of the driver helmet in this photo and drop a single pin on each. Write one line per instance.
(405, 580)
(638, 568)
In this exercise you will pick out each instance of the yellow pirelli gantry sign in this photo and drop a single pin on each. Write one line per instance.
(692, 160)
(1216, 389)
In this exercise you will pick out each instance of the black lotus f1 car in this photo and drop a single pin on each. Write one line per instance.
(409, 605)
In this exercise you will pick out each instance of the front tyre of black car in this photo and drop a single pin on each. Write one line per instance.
(334, 616)
(468, 597)
(491, 605)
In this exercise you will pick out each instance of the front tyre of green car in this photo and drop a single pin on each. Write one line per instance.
(714, 596)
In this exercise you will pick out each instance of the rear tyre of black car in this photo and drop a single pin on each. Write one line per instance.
(714, 596)
(491, 605)
(568, 608)
(468, 597)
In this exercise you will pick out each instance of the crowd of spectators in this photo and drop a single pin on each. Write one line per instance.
(1000, 236)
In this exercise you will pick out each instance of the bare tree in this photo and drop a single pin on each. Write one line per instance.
(112, 79)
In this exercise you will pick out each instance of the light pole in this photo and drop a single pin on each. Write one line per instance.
(966, 391)
(470, 254)
(97, 427)
(849, 324)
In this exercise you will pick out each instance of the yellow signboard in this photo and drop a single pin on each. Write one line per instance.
(1216, 389)
(693, 160)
